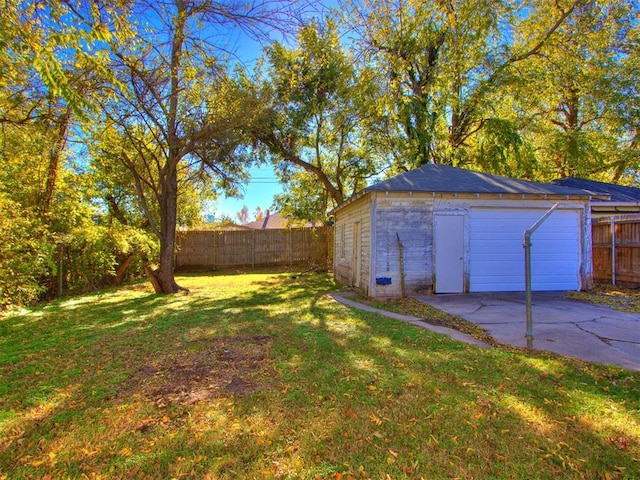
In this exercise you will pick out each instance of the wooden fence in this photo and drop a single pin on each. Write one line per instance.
(616, 250)
(255, 248)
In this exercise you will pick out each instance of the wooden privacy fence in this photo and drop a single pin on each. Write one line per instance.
(254, 248)
(616, 250)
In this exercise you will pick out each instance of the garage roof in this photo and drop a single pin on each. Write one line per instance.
(446, 179)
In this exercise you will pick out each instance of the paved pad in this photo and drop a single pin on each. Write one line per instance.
(569, 327)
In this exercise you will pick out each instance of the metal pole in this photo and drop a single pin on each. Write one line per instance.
(527, 279)
(527, 272)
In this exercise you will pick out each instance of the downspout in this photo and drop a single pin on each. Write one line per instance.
(527, 271)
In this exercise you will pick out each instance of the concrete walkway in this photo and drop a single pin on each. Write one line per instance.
(576, 329)
(455, 334)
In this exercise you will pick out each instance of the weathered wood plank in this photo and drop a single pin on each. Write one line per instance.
(627, 248)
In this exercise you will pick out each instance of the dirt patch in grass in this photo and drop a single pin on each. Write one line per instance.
(231, 366)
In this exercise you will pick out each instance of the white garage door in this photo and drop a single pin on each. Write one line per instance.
(497, 255)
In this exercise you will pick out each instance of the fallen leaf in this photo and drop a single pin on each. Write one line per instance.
(125, 452)
(349, 412)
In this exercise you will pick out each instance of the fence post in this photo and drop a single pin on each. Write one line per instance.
(613, 250)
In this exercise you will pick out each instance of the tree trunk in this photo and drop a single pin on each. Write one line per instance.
(122, 270)
(54, 155)
(152, 275)
(169, 217)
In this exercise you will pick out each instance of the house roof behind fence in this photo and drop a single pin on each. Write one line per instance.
(619, 193)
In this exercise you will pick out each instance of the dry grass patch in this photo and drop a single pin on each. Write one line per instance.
(619, 298)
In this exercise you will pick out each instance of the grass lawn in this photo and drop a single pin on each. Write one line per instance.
(262, 376)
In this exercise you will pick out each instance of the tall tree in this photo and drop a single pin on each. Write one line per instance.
(445, 63)
(170, 105)
(580, 96)
(310, 102)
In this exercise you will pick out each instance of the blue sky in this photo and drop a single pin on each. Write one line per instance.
(259, 192)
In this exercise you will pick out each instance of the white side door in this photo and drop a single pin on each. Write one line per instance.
(449, 253)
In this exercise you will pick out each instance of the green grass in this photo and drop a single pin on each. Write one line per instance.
(264, 376)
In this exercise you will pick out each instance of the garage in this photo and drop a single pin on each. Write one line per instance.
(440, 230)
(496, 254)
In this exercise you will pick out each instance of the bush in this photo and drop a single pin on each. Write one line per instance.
(26, 256)
(93, 254)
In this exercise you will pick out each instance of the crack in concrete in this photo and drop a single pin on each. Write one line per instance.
(482, 305)
(605, 340)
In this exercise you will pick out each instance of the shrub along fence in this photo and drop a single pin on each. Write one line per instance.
(616, 250)
(208, 249)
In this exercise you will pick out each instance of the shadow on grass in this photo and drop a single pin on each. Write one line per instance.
(336, 391)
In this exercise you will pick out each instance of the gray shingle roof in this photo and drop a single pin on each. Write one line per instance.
(619, 193)
(446, 179)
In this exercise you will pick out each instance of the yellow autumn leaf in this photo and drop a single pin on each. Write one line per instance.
(125, 452)
(375, 419)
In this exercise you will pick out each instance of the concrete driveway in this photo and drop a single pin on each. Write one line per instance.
(577, 329)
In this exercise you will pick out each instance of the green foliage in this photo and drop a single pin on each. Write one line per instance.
(537, 89)
(62, 44)
(25, 255)
(437, 60)
(314, 104)
(579, 96)
(304, 199)
(92, 253)
(502, 150)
